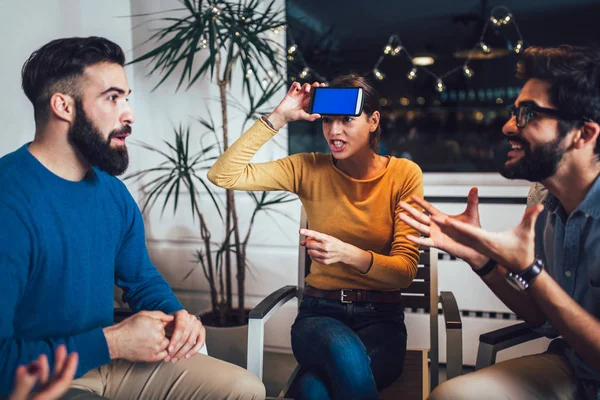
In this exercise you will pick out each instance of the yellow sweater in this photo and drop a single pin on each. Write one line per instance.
(359, 212)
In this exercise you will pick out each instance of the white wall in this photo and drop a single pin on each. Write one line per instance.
(26, 25)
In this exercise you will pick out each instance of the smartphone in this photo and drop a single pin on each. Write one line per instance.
(336, 101)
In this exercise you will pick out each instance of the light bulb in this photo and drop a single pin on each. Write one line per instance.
(439, 86)
(292, 49)
(378, 74)
(304, 73)
(485, 48)
(276, 30)
(468, 72)
(396, 50)
(387, 49)
(412, 75)
(519, 47)
(203, 42)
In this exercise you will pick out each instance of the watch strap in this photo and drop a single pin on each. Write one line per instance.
(528, 276)
(487, 268)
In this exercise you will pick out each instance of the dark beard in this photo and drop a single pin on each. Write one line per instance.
(536, 165)
(88, 140)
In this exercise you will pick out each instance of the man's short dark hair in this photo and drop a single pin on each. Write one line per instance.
(56, 66)
(574, 75)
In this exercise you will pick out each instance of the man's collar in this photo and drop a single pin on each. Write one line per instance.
(589, 206)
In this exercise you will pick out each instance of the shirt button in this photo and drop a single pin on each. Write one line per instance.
(568, 273)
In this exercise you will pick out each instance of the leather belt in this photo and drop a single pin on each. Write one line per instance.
(355, 295)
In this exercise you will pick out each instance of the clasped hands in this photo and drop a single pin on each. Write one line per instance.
(144, 337)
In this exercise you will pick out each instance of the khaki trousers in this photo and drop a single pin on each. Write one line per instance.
(199, 377)
(543, 376)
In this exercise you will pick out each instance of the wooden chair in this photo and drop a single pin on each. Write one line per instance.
(420, 364)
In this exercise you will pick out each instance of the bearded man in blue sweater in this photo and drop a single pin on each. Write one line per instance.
(70, 230)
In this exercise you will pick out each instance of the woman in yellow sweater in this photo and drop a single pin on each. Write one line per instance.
(349, 335)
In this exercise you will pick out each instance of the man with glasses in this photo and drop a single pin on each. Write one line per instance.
(547, 269)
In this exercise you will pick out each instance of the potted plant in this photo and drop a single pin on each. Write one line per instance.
(228, 35)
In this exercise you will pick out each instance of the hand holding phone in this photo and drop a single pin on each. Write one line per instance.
(294, 105)
(336, 101)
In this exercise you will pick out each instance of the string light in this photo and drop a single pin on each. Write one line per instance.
(278, 29)
(203, 42)
(394, 47)
(519, 47)
(485, 48)
(439, 86)
(468, 72)
(378, 74)
(396, 50)
(498, 22)
(214, 10)
(412, 75)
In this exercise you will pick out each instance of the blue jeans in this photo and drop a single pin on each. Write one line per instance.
(347, 351)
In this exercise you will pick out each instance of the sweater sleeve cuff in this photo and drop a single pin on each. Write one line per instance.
(171, 307)
(92, 349)
(371, 265)
(263, 122)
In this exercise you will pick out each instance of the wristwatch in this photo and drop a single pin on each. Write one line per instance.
(522, 280)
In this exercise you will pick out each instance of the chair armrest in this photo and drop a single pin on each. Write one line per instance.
(454, 337)
(492, 342)
(256, 326)
(273, 301)
(451, 313)
(513, 335)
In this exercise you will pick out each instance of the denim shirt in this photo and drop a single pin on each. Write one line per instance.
(569, 245)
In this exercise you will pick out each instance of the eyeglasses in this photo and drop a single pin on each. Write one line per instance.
(526, 110)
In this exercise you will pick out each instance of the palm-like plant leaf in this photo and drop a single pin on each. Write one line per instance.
(240, 29)
(177, 172)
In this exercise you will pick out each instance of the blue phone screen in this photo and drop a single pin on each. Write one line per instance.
(341, 101)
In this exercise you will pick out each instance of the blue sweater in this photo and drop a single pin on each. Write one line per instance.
(63, 245)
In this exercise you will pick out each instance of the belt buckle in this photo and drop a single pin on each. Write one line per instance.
(343, 297)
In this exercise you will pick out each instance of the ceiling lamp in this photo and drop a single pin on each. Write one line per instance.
(423, 60)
